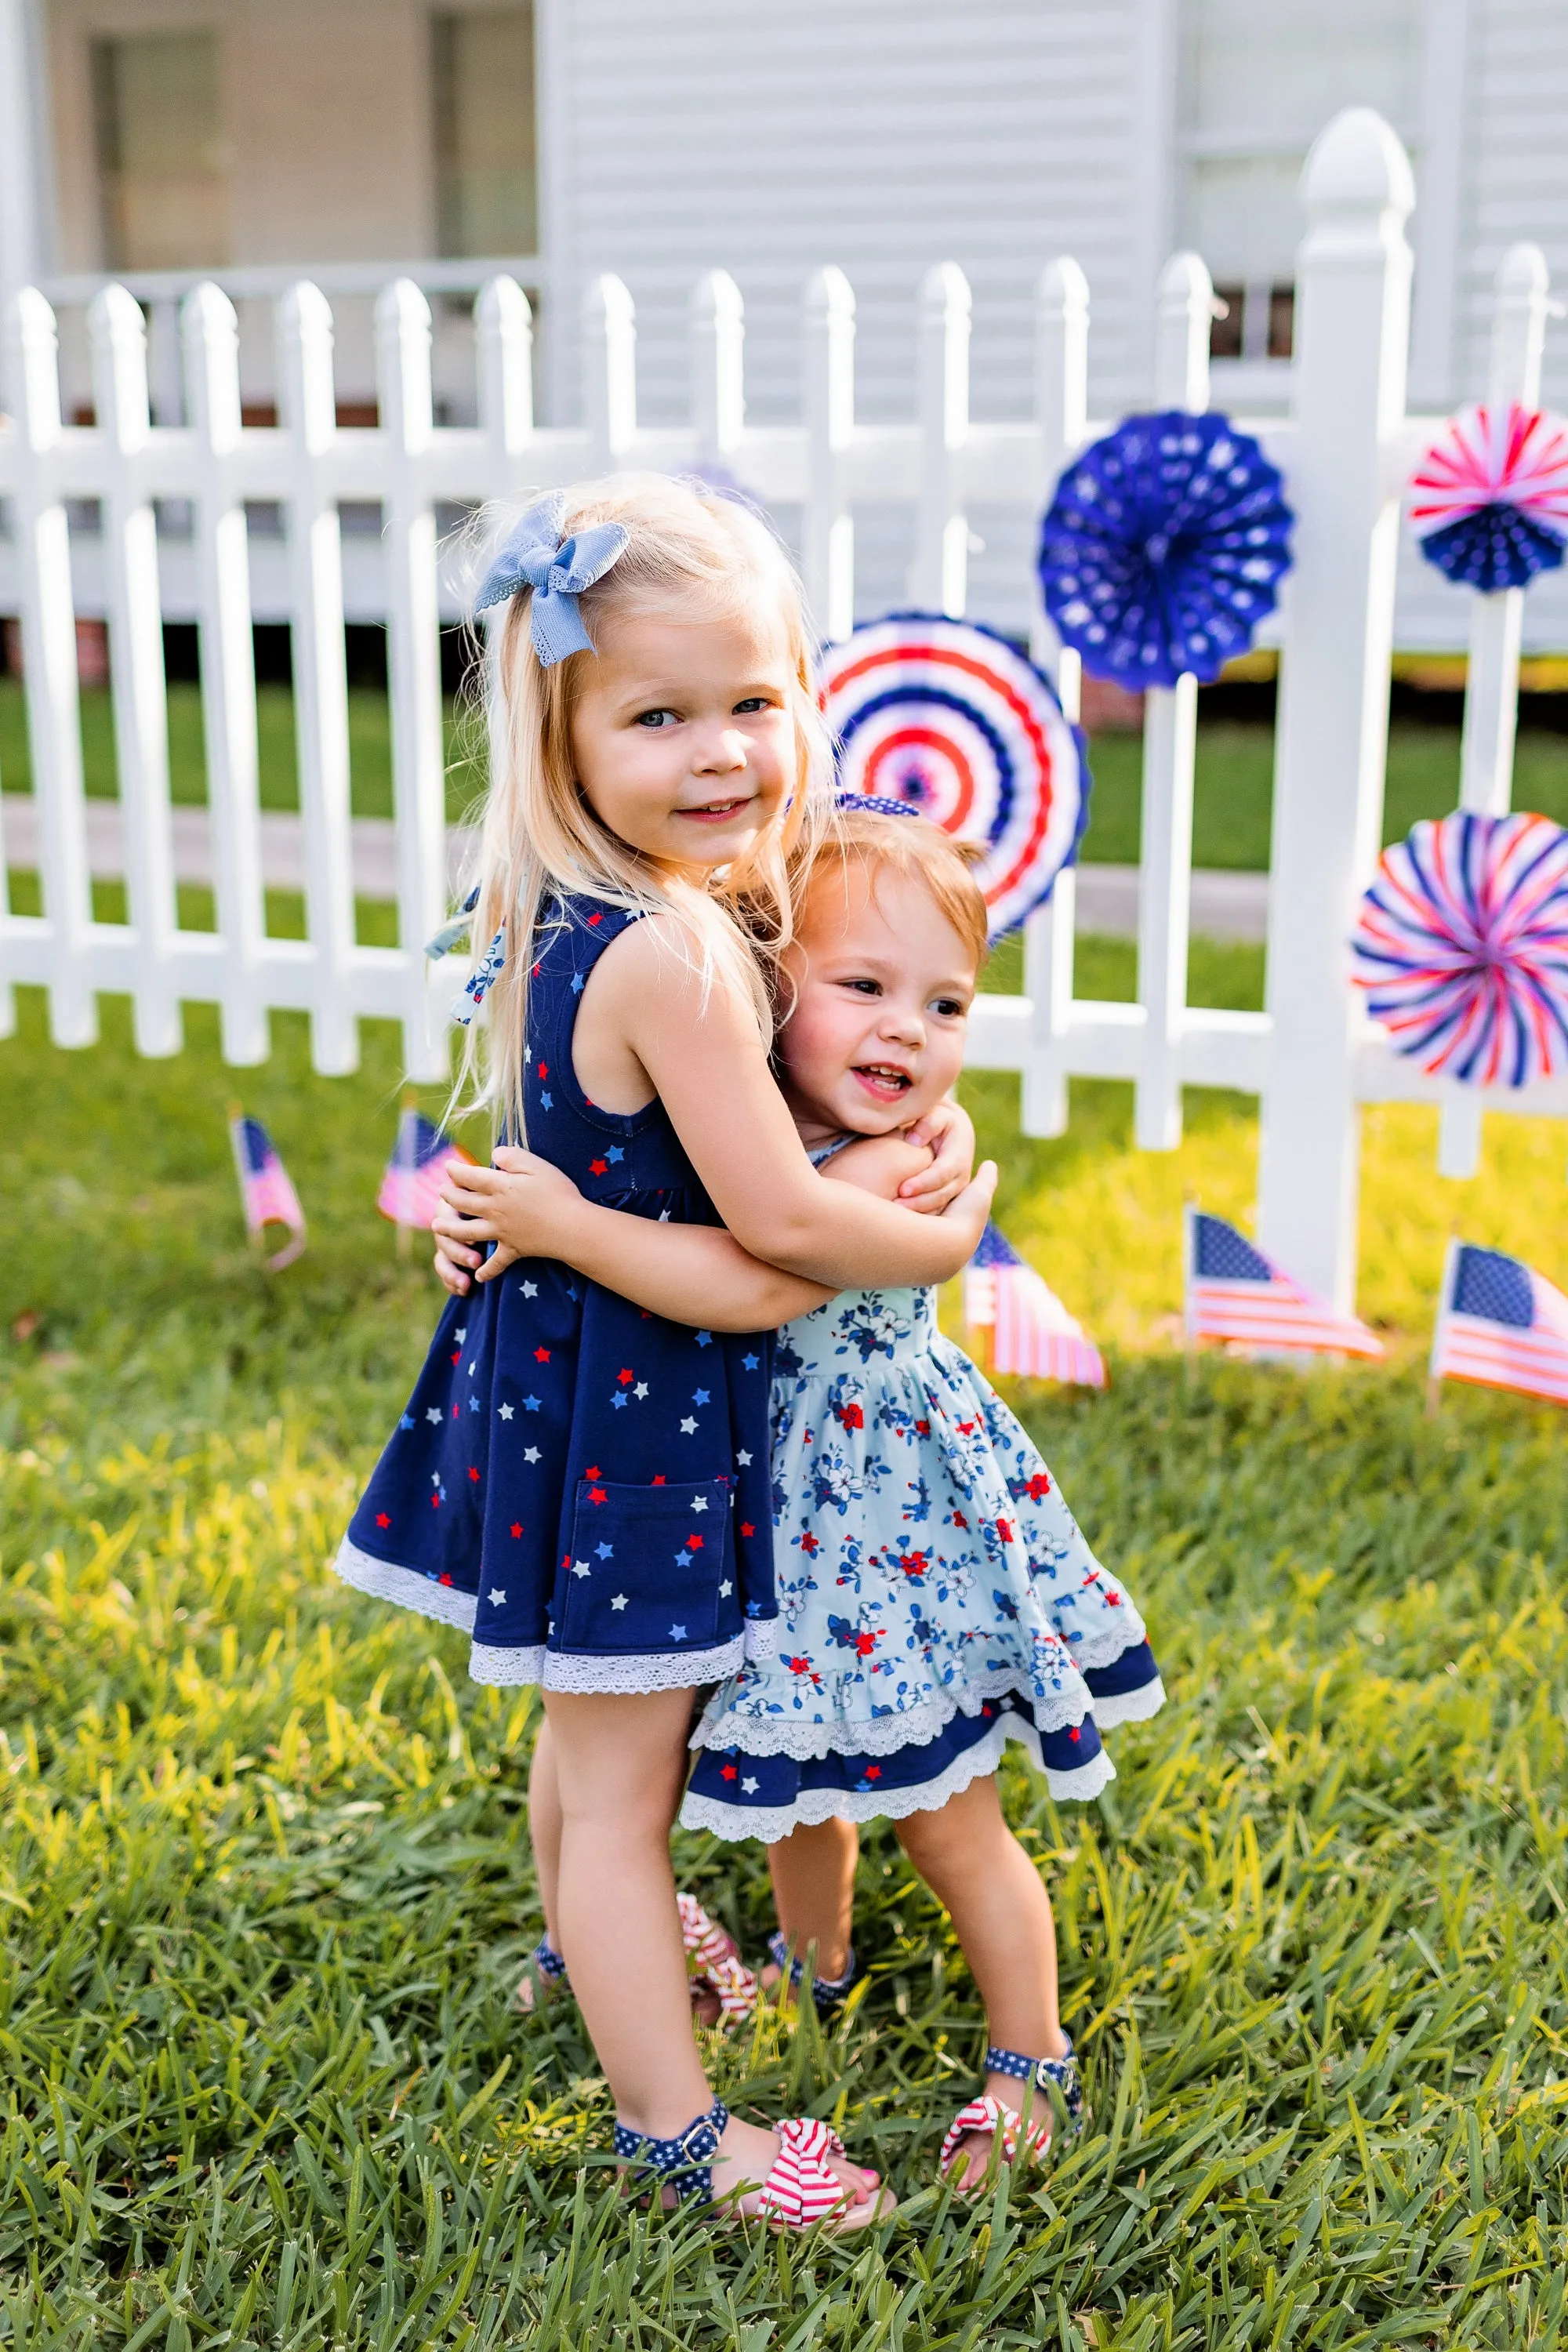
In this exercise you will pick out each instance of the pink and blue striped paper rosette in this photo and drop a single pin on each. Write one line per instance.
(1462, 947)
(1489, 502)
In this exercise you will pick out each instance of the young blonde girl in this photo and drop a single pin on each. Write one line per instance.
(580, 1485)
(939, 1597)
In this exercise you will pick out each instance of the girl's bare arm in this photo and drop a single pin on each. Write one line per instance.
(532, 1210)
(688, 1273)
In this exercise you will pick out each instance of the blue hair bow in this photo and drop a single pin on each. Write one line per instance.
(534, 555)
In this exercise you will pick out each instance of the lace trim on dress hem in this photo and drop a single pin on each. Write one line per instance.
(813, 1806)
(883, 1735)
(1129, 1706)
(632, 1675)
(386, 1581)
(1103, 1644)
(762, 1639)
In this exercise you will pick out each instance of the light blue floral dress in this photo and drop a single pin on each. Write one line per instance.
(937, 1596)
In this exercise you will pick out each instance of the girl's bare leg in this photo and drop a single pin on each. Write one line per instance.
(544, 1828)
(812, 1871)
(620, 1766)
(1001, 1912)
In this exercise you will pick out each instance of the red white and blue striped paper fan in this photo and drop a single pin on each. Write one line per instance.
(948, 718)
(1489, 502)
(1462, 947)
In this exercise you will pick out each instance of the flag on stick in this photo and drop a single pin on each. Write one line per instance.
(1235, 1293)
(266, 1193)
(1032, 1331)
(411, 1189)
(1501, 1324)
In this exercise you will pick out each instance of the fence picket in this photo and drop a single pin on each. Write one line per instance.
(1185, 307)
(414, 655)
(209, 332)
(504, 332)
(939, 576)
(717, 329)
(610, 369)
(117, 333)
(1061, 410)
(828, 536)
(320, 676)
(48, 665)
(1496, 623)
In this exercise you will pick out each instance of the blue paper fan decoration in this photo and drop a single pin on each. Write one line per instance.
(1164, 548)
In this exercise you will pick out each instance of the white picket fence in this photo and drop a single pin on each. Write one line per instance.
(1346, 450)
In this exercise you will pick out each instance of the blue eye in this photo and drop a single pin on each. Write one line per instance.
(653, 719)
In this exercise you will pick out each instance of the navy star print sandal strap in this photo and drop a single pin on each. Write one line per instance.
(686, 2162)
(543, 1976)
(1045, 2073)
(829, 1993)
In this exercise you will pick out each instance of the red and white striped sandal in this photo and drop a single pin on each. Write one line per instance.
(716, 1968)
(799, 2193)
(1008, 2130)
(723, 1989)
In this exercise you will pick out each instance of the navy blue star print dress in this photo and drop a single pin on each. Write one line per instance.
(581, 1486)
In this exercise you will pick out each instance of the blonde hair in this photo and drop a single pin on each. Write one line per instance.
(914, 849)
(689, 551)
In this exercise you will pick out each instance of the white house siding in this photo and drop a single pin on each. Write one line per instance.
(769, 139)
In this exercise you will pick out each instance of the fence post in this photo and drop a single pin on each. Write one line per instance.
(1185, 307)
(1354, 315)
(320, 679)
(413, 655)
(610, 367)
(718, 381)
(1491, 680)
(1061, 409)
(32, 389)
(939, 576)
(209, 332)
(828, 537)
(118, 335)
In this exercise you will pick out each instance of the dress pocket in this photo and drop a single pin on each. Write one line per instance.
(650, 1569)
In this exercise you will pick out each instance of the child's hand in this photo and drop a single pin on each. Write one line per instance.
(949, 1132)
(521, 1203)
(454, 1265)
(973, 1206)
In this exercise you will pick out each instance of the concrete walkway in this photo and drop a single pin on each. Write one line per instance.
(1225, 906)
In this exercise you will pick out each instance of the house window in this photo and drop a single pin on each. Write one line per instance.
(161, 166)
(1259, 79)
(482, 82)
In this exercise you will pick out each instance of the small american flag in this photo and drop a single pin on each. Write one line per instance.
(1033, 1332)
(411, 1189)
(267, 1196)
(1235, 1293)
(1501, 1324)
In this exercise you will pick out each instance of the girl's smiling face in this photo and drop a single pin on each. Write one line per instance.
(883, 986)
(684, 737)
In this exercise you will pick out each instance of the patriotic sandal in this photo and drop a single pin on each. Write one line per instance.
(1008, 2129)
(723, 1989)
(798, 2193)
(829, 1993)
(543, 1977)
(719, 1979)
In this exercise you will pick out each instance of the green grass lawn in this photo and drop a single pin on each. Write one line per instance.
(265, 1885)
